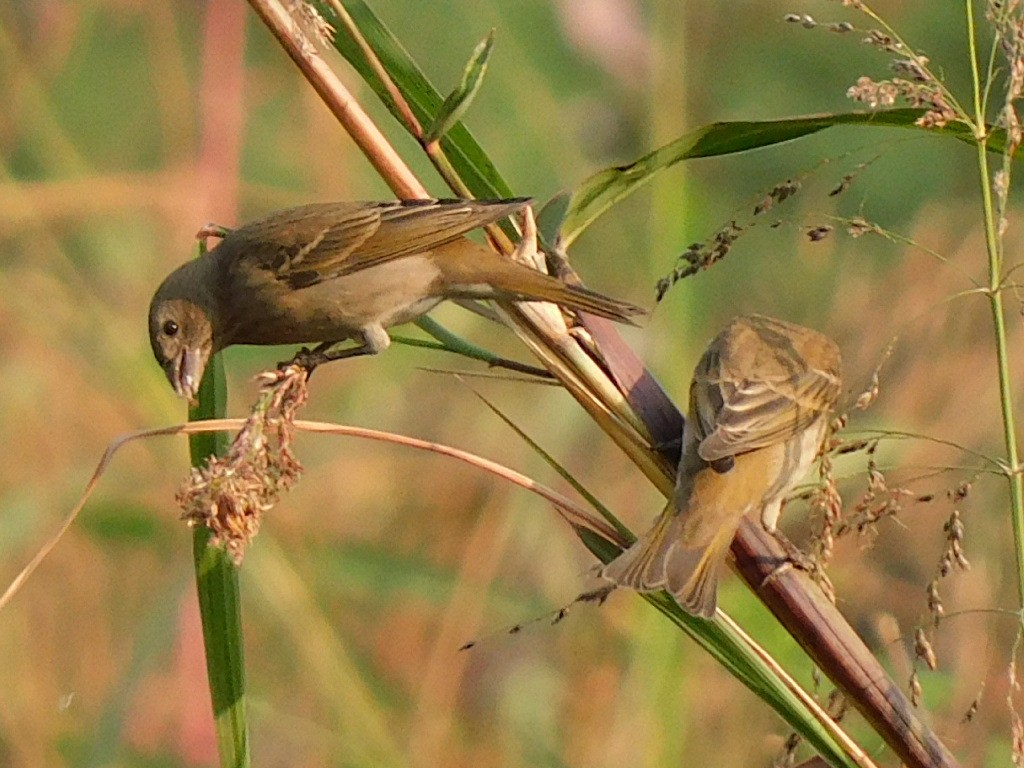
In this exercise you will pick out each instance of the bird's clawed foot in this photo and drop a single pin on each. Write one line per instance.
(309, 359)
(794, 554)
(306, 358)
(210, 230)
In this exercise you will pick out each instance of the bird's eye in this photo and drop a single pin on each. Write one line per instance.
(170, 328)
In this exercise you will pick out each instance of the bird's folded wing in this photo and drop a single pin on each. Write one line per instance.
(756, 414)
(321, 242)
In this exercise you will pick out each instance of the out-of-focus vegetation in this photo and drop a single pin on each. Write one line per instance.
(128, 127)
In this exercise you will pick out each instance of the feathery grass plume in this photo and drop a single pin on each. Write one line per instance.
(229, 495)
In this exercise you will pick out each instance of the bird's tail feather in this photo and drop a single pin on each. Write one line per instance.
(658, 561)
(496, 277)
(586, 300)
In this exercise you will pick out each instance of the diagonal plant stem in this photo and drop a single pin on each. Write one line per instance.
(432, 148)
(567, 359)
(345, 108)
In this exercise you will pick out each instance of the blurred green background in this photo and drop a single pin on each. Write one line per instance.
(127, 126)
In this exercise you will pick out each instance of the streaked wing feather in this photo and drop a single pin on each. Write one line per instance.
(404, 231)
(326, 241)
(762, 413)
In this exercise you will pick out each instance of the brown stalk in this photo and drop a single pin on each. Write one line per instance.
(343, 106)
(791, 595)
(432, 149)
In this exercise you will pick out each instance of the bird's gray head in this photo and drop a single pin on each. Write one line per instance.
(181, 330)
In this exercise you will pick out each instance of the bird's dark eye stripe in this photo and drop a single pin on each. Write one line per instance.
(170, 327)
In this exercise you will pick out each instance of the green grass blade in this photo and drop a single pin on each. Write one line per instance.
(735, 655)
(451, 342)
(557, 466)
(605, 188)
(219, 599)
(458, 101)
(462, 150)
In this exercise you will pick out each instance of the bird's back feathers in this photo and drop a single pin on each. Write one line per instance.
(312, 243)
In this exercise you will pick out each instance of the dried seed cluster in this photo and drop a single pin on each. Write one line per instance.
(230, 494)
(923, 95)
(915, 689)
(818, 233)
(780, 193)
(952, 557)
(858, 226)
(700, 256)
(913, 83)
(808, 22)
(827, 505)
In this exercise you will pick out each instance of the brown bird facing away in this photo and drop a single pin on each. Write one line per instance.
(329, 272)
(759, 408)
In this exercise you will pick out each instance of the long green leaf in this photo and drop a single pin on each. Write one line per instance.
(218, 590)
(605, 188)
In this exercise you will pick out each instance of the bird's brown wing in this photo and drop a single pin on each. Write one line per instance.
(753, 414)
(307, 245)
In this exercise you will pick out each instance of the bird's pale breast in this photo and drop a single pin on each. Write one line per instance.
(270, 312)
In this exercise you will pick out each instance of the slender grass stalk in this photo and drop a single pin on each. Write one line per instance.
(1012, 467)
(980, 92)
(996, 286)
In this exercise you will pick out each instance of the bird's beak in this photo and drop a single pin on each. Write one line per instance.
(186, 371)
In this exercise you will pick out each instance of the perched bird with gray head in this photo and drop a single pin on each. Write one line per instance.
(328, 272)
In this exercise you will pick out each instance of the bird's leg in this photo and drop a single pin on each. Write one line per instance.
(375, 339)
(794, 554)
(769, 520)
(309, 359)
(809, 564)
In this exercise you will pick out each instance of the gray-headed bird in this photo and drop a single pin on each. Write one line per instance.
(329, 272)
